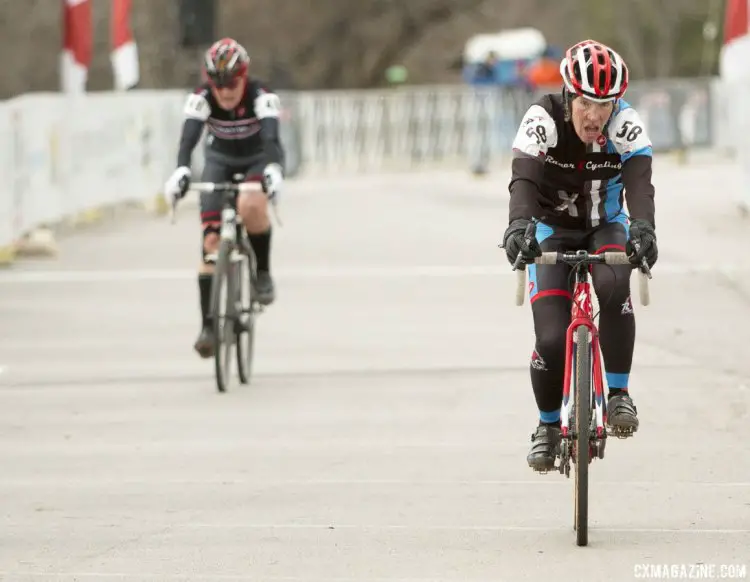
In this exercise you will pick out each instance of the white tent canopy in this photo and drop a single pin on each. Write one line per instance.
(517, 43)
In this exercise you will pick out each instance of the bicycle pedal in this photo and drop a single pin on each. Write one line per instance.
(621, 433)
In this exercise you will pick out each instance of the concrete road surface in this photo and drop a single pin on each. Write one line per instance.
(384, 436)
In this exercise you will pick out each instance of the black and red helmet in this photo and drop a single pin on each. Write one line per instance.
(225, 62)
(592, 70)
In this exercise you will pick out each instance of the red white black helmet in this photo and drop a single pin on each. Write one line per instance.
(595, 71)
(225, 62)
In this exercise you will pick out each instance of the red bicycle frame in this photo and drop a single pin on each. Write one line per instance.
(582, 313)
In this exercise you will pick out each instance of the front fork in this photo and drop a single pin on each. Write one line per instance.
(598, 433)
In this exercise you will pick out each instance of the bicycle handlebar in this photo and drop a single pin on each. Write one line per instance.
(585, 258)
(224, 187)
(580, 257)
(200, 187)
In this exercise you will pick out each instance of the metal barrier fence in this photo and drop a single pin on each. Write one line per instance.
(410, 126)
(66, 155)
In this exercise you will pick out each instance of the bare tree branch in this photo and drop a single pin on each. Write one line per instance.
(411, 33)
(349, 43)
(630, 33)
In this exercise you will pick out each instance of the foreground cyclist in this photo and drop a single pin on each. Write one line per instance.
(242, 116)
(578, 156)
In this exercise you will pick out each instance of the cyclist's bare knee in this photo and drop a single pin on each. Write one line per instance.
(210, 242)
(210, 247)
(253, 208)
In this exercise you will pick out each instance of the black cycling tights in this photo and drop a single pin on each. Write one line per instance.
(616, 337)
(551, 305)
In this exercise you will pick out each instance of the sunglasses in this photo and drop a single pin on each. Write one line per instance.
(223, 83)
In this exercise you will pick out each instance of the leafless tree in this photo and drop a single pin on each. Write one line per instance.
(649, 31)
(342, 43)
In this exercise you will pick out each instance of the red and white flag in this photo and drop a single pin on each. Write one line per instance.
(77, 45)
(124, 55)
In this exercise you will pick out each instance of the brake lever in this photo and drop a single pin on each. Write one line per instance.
(173, 210)
(529, 236)
(644, 264)
(274, 206)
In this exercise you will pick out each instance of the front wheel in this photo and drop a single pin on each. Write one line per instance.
(582, 395)
(223, 314)
(246, 329)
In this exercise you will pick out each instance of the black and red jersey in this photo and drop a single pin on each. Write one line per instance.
(247, 131)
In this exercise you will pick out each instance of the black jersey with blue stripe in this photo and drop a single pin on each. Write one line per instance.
(562, 181)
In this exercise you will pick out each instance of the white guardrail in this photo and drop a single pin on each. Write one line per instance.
(66, 158)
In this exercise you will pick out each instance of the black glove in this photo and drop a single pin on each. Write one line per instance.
(514, 242)
(184, 184)
(642, 243)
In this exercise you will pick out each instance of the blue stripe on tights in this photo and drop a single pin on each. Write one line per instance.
(549, 416)
(617, 380)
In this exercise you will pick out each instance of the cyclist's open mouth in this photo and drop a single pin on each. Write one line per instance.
(591, 131)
